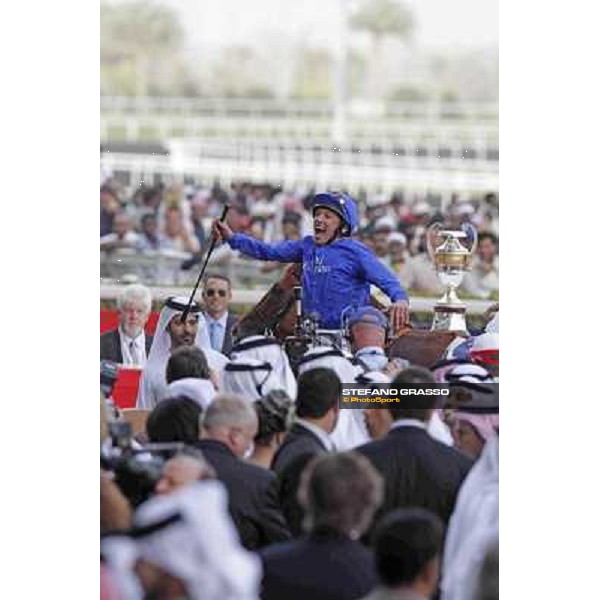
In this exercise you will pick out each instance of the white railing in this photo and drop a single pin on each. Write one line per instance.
(251, 296)
(384, 173)
(405, 155)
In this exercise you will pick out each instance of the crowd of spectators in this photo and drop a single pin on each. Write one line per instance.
(267, 488)
(175, 221)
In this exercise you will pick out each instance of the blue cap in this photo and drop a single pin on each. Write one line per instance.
(341, 204)
(368, 314)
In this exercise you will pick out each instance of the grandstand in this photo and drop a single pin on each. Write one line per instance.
(422, 147)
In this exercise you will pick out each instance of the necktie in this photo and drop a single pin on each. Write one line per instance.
(214, 336)
(135, 355)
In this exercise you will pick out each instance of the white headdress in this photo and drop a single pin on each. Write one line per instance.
(246, 377)
(201, 391)
(264, 349)
(330, 358)
(473, 527)
(187, 533)
(153, 384)
(469, 373)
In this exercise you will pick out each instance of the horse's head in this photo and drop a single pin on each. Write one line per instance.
(274, 310)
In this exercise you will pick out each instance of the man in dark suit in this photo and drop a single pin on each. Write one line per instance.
(340, 494)
(418, 470)
(128, 344)
(216, 295)
(228, 430)
(317, 413)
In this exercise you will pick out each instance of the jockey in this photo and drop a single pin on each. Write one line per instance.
(336, 270)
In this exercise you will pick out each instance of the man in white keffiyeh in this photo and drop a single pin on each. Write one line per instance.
(179, 540)
(268, 350)
(473, 527)
(171, 333)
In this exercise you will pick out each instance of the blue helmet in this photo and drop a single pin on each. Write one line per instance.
(343, 205)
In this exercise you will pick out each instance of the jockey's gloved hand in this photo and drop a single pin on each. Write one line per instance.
(399, 315)
(221, 231)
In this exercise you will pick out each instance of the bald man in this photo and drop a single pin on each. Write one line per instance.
(229, 426)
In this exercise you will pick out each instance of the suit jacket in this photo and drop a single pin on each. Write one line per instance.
(110, 346)
(298, 448)
(252, 496)
(418, 471)
(322, 566)
(227, 337)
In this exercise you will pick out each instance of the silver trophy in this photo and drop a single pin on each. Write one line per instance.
(451, 252)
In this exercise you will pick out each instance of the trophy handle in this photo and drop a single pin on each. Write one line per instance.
(431, 236)
(472, 237)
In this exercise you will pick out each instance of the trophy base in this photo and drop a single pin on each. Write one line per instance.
(450, 318)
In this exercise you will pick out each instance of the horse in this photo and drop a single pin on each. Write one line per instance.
(275, 313)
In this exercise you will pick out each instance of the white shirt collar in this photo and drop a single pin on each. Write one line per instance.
(408, 423)
(320, 433)
(140, 344)
(138, 340)
(222, 321)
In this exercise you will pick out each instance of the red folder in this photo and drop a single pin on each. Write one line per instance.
(126, 387)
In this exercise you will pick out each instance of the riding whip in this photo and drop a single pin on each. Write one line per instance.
(210, 250)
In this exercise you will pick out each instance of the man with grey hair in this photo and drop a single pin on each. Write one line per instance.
(128, 344)
(229, 426)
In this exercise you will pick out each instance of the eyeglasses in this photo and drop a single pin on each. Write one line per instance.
(211, 293)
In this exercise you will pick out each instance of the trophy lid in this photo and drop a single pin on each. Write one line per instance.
(455, 233)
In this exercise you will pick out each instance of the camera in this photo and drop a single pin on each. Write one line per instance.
(136, 468)
(108, 375)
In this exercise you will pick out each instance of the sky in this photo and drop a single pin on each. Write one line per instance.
(440, 23)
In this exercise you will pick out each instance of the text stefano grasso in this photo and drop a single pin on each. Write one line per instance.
(422, 391)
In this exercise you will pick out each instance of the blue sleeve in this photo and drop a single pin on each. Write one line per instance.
(378, 274)
(282, 251)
